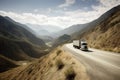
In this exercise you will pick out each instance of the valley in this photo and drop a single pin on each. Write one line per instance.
(45, 52)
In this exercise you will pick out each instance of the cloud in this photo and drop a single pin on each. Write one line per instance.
(38, 19)
(105, 5)
(49, 10)
(67, 3)
(110, 3)
(67, 18)
(36, 10)
(84, 16)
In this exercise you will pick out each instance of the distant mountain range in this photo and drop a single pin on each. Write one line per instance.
(17, 42)
(44, 30)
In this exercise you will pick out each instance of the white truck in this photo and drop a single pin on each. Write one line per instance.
(80, 45)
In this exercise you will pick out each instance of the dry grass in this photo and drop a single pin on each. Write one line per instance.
(45, 69)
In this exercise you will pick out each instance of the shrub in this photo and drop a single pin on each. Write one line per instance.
(70, 74)
(59, 64)
(54, 57)
(58, 52)
(29, 71)
(51, 65)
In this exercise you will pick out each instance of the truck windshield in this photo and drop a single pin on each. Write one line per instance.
(84, 43)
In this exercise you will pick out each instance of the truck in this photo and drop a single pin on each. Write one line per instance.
(80, 44)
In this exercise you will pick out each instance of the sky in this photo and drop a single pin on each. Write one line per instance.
(59, 13)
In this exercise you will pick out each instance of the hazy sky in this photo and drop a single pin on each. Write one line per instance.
(62, 13)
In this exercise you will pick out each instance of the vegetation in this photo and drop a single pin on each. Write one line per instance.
(58, 52)
(30, 70)
(59, 64)
(46, 68)
(70, 74)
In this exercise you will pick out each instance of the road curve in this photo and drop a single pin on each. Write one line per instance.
(100, 65)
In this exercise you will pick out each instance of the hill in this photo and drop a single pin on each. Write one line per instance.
(58, 65)
(104, 34)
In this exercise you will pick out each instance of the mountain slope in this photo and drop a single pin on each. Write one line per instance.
(14, 29)
(19, 50)
(18, 43)
(72, 29)
(105, 34)
(61, 40)
(58, 65)
(6, 64)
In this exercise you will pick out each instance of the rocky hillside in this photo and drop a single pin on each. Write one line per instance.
(105, 34)
(58, 65)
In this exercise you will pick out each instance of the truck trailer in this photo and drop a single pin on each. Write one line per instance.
(80, 45)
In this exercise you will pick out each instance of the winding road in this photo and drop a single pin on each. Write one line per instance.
(100, 65)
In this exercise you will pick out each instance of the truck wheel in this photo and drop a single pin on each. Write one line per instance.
(73, 46)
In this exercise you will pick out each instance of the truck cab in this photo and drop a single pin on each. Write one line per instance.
(84, 46)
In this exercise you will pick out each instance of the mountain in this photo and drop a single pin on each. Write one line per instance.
(14, 29)
(61, 40)
(105, 33)
(47, 38)
(17, 43)
(43, 33)
(23, 25)
(44, 30)
(72, 29)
